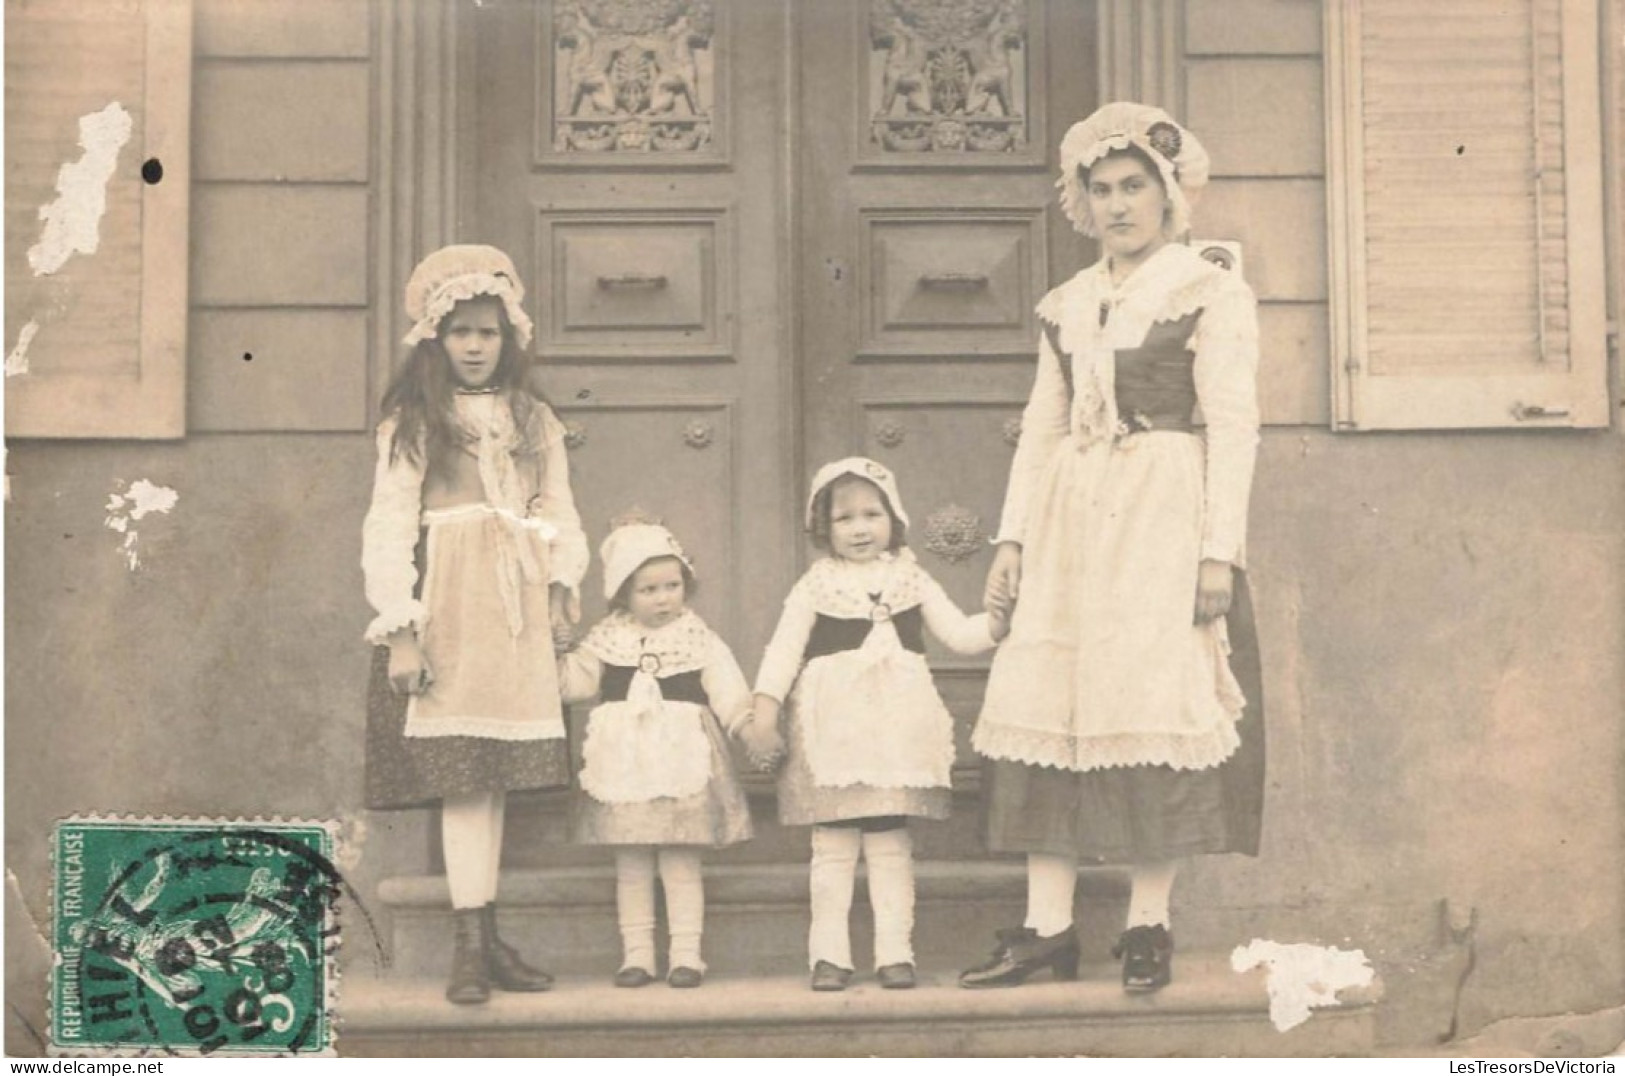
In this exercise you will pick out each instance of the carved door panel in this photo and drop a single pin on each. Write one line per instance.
(629, 153)
(928, 132)
(762, 234)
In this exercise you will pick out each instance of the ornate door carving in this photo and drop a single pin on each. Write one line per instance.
(929, 232)
(762, 234)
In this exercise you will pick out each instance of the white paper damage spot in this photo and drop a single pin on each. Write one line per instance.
(73, 221)
(132, 504)
(1302, 977)
(17, 361)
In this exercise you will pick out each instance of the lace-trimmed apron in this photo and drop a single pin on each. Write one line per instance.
(655, 764)
(1211, 800)
(869, 736)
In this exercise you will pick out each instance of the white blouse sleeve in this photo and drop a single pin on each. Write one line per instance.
(556, 505)
(724, 684)
(389, 539)
(781, 663)
(580, 675)
(1226, 373)
(1044, 423)
(960, 633)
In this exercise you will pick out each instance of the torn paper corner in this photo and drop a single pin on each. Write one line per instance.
(139, 499)
(1301, 977)
(17, 360)
(73, 220)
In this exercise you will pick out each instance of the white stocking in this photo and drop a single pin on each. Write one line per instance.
(1052, 881)
(890, 856)
(471, 839)
(1153, 884)
(834, 871)
(685, 904)
(635, 906)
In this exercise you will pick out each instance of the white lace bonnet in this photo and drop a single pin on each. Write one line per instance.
(632, 545)
(863, 467)
(1179, 157)
(452, 274)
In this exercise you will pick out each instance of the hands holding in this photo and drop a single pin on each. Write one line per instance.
(760, 735)
(1003, 588)
(564, 612)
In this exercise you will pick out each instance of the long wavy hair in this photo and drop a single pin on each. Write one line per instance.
(423, 392)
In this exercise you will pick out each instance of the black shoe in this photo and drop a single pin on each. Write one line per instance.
(1020, 953)
(470, 981)
(827, 977)
(685, 978)
(506, 968)
(633, 977)
(896, 976)
(1148, 958)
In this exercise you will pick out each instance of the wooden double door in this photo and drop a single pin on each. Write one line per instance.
(760, 235)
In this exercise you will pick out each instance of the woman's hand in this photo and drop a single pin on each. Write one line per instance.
(1215, 585)
(998, 624)
(1003, 580)
(760, 735)
(563, 611)
(409, 672)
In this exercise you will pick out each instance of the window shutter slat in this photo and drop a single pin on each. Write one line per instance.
(96, 338)
(1465, 170)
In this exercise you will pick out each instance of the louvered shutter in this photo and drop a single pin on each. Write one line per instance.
(96, 253)
(1468, 271)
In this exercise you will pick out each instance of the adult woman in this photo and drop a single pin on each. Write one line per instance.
(1117, 730)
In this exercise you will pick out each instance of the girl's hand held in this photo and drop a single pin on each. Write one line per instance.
(408, 669)
(1215, 586)
(1003, 579)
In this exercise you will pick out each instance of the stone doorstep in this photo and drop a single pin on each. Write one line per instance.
(756, 916)
(1209, 1010)
(766, 883)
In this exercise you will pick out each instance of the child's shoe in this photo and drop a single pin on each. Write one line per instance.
(827, 977)
(685, 978)
(896, 976)
(633, 976)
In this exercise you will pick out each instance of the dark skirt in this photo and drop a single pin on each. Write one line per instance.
(417, 771)
(1141, 813)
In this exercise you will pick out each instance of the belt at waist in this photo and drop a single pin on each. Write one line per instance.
(1140, 420)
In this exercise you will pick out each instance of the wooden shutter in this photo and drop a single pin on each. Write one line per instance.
(96, 338)
(1466, 210)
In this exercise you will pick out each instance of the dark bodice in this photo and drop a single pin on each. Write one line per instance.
(1156, 382)
(833, 634)
(679, 687)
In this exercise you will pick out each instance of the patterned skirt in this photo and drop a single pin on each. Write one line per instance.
(416, 771)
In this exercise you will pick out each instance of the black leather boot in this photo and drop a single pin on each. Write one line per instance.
(507, 969)
(470, 982)
(1021, 953)
(1147, 954)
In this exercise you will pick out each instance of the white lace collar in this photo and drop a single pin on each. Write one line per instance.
(681, 646)
(841, 588)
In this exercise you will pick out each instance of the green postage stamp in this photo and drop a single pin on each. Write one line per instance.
(187, 936)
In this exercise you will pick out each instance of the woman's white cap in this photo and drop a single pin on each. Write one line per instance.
(1179, 157)
(452, 274)
(863, 467)
(632, 545)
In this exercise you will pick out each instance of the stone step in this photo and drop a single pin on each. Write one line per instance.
(1208, 1010)
(756, 915)
(537, 834)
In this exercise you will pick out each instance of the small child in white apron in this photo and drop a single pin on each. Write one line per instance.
(870, 742)
(656, 781)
